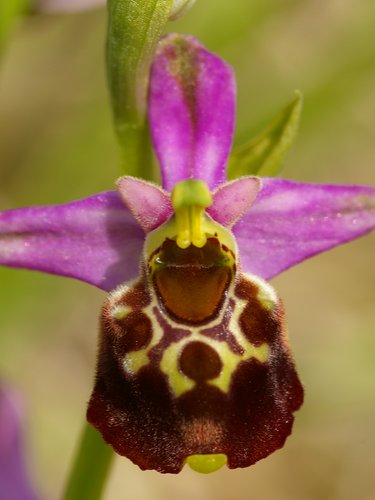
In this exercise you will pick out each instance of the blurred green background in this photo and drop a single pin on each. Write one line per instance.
(57, 144)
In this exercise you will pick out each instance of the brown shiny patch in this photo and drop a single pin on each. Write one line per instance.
(258, 324)
(191, 283)
(200, 362)
(136, 333)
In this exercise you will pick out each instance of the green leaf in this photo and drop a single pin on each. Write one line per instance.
(265, 154)
(134, 29)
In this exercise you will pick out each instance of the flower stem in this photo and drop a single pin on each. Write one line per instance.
(135, 149)
(134, 29)
(90, 467)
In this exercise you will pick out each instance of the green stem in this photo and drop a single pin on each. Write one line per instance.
(136, 151)
(134, 29)
(90, 468)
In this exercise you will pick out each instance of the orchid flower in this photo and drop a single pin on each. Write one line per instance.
(194, 364)
(14, 481)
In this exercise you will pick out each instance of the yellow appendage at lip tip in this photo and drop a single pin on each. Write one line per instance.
(189, 200)
(206, 464)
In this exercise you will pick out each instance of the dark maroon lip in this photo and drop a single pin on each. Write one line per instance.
(142, 418)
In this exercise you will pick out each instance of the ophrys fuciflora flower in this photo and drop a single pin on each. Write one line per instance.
(194, 363)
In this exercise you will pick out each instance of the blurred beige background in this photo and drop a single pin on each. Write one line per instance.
(56, 144)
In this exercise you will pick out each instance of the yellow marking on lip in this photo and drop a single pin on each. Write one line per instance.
(178, 381)
(119, 312)
(136, 360)
(266, 293)
(231, 360)
(181, 383)
(169, 364)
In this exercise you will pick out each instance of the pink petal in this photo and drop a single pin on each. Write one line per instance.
(191, 111)
(232, 199)
(96, 240)
(149, 204)
(292, 221)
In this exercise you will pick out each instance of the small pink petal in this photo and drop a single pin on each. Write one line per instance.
(149, 204)
(232, 199)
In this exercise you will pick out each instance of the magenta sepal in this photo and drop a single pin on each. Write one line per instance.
(96, 240)
(292, 221)
(14, 480)
(191, 111)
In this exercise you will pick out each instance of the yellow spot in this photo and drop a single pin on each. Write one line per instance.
(181, 383)
(231, 361)
(189, 200)
(178, 381)
(119, 312)
(266, 294)
(266, 303)
(136, 360)
(206, 463)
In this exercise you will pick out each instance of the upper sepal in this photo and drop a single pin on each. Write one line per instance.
(191, 111)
